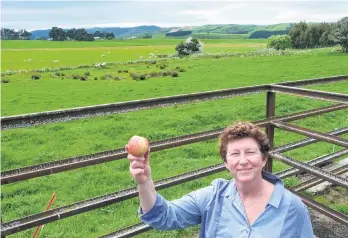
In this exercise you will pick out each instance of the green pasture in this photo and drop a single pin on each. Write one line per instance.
(44, 58)
(23, 95)
(160, 40)
(38, 144)
(220, 36)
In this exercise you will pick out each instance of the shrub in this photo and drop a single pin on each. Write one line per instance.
(95, 78)
(117, 78)
(190, 46)
(120, 71)
(142, 77)
(135, 76)
(35, 76)
(155, 74)
(125, 71)
(83, 78)
(166, 73)
(180, 69)
(5, 80)
(76, 76)
(174, 74)
(279, 42)
(87, 73)
(59, 74)
(162, 56)
(107, 76)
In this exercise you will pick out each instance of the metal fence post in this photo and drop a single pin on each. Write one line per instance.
(2, 236)
(270, 112)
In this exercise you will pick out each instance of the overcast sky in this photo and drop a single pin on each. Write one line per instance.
(33, 15)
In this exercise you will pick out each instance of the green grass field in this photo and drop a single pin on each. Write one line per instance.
(28, 146)
(23, 95)
(43, 44)
(220, 36)
(15, 54)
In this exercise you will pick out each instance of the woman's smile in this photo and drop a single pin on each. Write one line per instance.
(244, 171)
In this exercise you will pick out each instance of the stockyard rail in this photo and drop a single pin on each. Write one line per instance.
(270, 123)
(31, 119)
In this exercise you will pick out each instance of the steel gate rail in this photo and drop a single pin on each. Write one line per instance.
(270, 123)
(39, 170)
(31, 119)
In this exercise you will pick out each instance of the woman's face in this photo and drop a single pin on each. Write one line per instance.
(244, 159)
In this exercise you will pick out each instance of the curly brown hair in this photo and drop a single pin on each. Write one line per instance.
(241, 130)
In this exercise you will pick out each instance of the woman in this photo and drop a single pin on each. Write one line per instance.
(253, 204)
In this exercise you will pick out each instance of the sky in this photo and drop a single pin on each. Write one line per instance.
(34, 15)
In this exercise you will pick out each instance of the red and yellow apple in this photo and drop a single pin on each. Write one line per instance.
(138, 146)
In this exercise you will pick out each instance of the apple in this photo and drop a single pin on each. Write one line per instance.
(138, 146)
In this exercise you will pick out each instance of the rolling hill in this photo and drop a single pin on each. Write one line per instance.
(124, 32)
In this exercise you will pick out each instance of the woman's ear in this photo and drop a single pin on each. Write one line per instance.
(264, 160)
(226, 165)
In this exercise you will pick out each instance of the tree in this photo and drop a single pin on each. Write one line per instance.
(325, 30)
(71, 33)
(97, 34)
(313, 36)
(340, 34)
(82, 35)
(147, 35)
(24, 34)
(277, 42)
(9, 34)
(109, 35)
(57, 34)
(190, 46)
(298, 35)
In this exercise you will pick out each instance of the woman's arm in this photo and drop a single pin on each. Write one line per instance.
(176, 214)
(147, 195)
(154, 209)
(307, 229)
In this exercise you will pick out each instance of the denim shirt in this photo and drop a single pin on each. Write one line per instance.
(220, 211)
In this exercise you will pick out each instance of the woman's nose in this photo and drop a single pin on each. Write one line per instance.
(242, 159)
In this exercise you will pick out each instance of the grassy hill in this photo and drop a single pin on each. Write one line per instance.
(240, 29)
(124, 32)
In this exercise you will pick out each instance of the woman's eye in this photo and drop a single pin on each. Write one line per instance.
(235, 154)
(251, 152)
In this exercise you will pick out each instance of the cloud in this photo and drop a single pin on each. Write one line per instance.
(165, 13)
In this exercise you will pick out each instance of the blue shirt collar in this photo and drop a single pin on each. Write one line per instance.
(230, 190)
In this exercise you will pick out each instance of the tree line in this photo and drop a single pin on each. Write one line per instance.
(305, 35)
(58, 34)
(11, 34)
